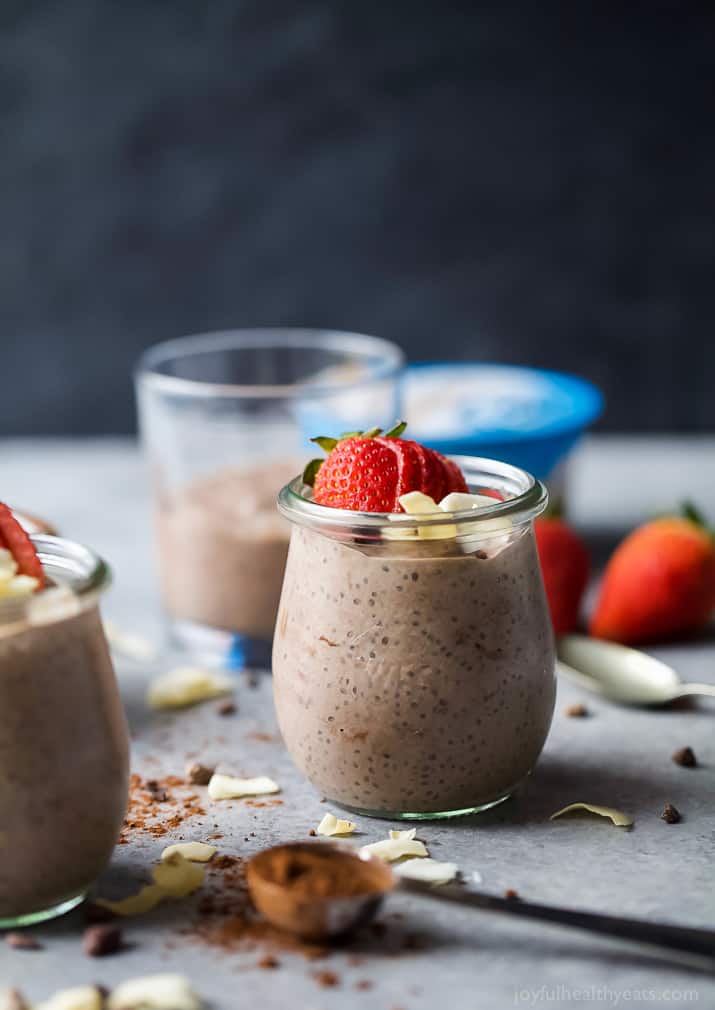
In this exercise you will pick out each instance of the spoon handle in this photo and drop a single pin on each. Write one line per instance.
(708, 689)
(679, 938)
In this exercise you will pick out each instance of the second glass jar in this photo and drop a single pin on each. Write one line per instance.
(413, 659)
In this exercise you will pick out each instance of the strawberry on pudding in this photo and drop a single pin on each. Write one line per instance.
(413, 659)
(63, 734)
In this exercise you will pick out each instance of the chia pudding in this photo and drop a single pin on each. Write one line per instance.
(63, 741)
(415, 677)
(223, 550)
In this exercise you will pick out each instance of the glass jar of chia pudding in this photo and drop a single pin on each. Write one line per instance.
(413, 659)
(64, 753)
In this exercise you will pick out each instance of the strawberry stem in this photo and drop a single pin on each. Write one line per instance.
(372, 433)
(689, 511)
(328, 444)
(311, 471)
(396, 430)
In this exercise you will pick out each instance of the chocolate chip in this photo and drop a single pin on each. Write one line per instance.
(14, 1000)
(227, 708)
(327, 979)
(268, 962)
(577, 711)
(22, 941)
(158, 793)
(312, 832)
(511, 895)
(670, 815)
(98, 941)
(198, 774)
(685, 757)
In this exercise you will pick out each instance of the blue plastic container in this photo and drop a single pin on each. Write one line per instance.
(525, 416)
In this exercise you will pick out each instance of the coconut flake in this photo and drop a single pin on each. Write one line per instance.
(462, 501)
(332, 825)
(53, 604)
(620, 819)
(195, 852)
(187, 685)
(136, 904)
(129, 644)
(177, 877)
(390, 849)
(428, 869)
(226, 787)
(408, 835)
(154, 992)
(81, 997)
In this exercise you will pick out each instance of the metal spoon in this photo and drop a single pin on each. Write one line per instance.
(622, 674)
(322, 917)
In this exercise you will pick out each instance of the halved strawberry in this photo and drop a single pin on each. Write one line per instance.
(408, 464)
(14, 538)
(369, 471)
(455, 477)
(360, 474)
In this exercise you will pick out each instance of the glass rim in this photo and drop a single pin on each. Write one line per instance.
(59, 553)
(360, 344)
(530, 502)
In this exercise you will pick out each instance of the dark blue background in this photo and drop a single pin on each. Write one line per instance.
(490, 181)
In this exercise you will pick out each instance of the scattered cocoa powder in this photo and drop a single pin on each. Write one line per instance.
(268, 961)
(262, 737)
(670, 814)
(227, 708)
(364, 983)
(313, 833)
(227, 919)
(22, 941)
(511, 895)
(685, 757)
(143, 817)
(577, 711)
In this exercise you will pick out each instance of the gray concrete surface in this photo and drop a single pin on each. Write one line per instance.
(95, 491)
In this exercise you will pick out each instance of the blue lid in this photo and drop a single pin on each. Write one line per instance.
(525, 416)
(474, 403)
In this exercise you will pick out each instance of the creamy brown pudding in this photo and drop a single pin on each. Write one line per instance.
(223, 550)
(413, 677)
(63, 749)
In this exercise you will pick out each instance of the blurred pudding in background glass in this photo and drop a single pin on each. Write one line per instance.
(528, 417)
(226, 420)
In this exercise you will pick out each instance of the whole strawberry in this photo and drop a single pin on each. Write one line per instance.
(565, 566)
(659, 582)
(369, 471)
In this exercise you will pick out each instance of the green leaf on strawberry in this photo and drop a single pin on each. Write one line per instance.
(396, 430)
(311, 470)
(325, 443)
